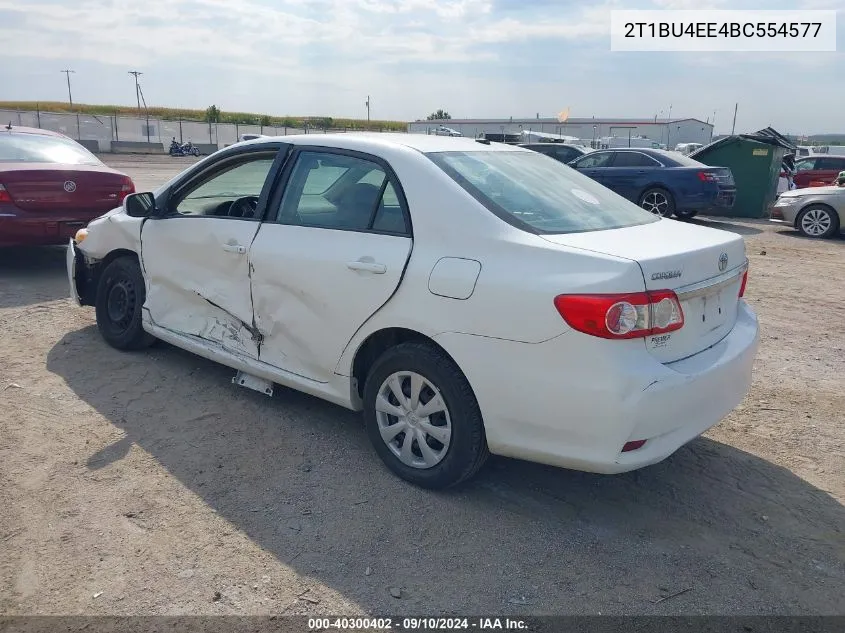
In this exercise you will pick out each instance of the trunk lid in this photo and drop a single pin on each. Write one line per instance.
(53, 188)
(703, 265)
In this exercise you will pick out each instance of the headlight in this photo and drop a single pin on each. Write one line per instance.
(786, 201)
(81, 234)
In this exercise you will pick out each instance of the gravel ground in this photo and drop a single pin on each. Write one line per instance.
(147, 483)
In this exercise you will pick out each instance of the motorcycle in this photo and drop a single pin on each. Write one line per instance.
(185, 149)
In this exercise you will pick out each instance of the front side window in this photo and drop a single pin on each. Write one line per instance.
(537, 194)
(596, 159)
(240, 182)
(337, 191)
(42, 148)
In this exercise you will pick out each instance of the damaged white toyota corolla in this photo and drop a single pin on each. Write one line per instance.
(470, 298)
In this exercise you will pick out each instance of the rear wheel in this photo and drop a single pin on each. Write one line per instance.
(818, 221)
(120, 296)
(422, 417)
(658, 201)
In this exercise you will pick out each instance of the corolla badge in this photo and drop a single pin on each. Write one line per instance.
(723, 262)
(666, 274)
(69, 186)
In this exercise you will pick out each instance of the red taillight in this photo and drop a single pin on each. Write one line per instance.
(632, 446)
(126, 188)
(5, 196)
(622, 316)
(744, 282)
(706, 176)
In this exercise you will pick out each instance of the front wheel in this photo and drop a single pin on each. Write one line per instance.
(120, 296)
(818, 221)
(659, 202)
(422, 417)
(685, 215)
(195, 151)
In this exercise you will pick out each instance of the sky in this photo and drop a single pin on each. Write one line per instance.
(473, 58)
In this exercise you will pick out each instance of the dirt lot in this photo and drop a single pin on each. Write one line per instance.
(148, 484)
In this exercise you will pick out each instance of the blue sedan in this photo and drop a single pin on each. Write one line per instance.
(665, 183)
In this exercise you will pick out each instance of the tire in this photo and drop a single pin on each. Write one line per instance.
(817, 221)
(658, 201)
(195, 152)
(120, 296)
(685, 215)
(463, 449)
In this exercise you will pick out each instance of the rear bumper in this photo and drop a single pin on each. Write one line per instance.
(20, 229)
(574, 401)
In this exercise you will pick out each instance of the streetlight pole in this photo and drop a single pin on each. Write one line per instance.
(67, 72)
(368, 108)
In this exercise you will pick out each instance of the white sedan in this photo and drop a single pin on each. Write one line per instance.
(470, 298)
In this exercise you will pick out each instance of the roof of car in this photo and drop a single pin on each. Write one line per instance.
(19, 129)
(374, 140)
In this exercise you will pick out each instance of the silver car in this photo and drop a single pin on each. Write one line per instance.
(814, 211)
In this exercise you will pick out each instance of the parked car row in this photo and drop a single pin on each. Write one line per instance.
(662, 182)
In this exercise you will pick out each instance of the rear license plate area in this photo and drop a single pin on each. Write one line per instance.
(711, 310)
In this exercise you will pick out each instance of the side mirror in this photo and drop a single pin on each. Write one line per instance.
(139, 205)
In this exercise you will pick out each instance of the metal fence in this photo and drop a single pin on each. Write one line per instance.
(105, 129)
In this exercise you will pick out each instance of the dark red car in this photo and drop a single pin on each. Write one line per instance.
(818, 170)
(51, 186)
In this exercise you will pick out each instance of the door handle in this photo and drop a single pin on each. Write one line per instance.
(234, 248)
(367, 266)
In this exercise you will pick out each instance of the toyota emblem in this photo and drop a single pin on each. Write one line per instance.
(723, 261)
(70, 186)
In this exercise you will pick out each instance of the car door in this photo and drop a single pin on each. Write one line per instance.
(828, 168)
(804, 172)
(195, 251)
(594, 164)
(331, 252)
(629, 173)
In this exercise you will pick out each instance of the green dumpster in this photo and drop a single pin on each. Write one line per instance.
(756, 166)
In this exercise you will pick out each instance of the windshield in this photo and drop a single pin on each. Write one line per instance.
(538, 193)
(40, 148)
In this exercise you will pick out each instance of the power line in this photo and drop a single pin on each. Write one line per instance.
(137, 88)
(67, 72)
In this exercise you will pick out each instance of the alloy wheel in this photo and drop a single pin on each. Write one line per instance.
(656, 202)
(816, 222)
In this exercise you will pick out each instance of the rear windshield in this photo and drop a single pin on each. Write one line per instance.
(538, 193)
(685, 161)
(39, 148)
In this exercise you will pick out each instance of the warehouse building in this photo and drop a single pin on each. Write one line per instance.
(663, 132)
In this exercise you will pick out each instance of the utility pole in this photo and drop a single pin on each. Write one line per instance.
(368, 108)
(67, 72)
(733, 127)
(137, 89)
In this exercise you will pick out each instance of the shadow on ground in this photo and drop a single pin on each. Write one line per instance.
(725, 224)
(298, 477)
(23, 269)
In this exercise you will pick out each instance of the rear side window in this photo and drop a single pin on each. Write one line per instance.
(831, 164)
(805, 165)
(634, 159)
(539, 195)
(40, 148)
